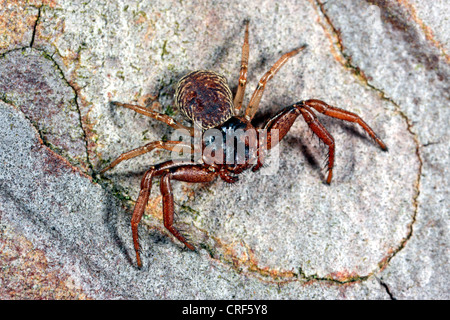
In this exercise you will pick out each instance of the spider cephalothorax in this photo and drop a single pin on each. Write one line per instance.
(205, 98)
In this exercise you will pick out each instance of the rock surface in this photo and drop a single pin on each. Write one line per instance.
(379, 231)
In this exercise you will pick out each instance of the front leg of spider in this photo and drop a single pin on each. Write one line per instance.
(345, 115)
(167, 171)
(283, 121)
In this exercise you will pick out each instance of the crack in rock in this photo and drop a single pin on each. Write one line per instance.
(33, 82)
(35, 26)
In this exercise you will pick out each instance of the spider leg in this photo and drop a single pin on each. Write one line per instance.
(243, 74)
(167, 145)
(139, 208)
(280, 124)
(227, 177)
(155, 115)
(323, 134)
(186, 173)
(168, 170)
(345, 115)
(256, 97)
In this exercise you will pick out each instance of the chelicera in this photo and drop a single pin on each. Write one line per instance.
(206, 100)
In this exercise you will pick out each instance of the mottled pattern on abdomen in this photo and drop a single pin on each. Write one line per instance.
(205, 98)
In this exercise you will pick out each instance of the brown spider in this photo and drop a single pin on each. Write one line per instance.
(205, 98)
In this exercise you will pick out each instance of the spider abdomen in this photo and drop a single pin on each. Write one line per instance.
(205, 98)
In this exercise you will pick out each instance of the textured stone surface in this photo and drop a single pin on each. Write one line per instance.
(33, 82)
(413, 74)
(379, 231)
(17, 19)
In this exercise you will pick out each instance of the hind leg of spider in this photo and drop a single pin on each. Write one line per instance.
(345, 115)
(155, 115)
(243, 74)
(167, 145)
(256, 97)
(278, 126)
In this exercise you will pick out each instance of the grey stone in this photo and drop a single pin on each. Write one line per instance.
(379, 231)
(33, 82)
(409, 65)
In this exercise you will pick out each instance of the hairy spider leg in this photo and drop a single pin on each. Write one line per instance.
(155, 115)
(285, 118)
(168, 171)
(345, 115)
(167, 145)
(185, 173)
(242, 75)
(257, 94)
(323, 134)
(139, 208)
(283, 121)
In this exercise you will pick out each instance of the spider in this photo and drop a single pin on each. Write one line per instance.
(206, 100)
